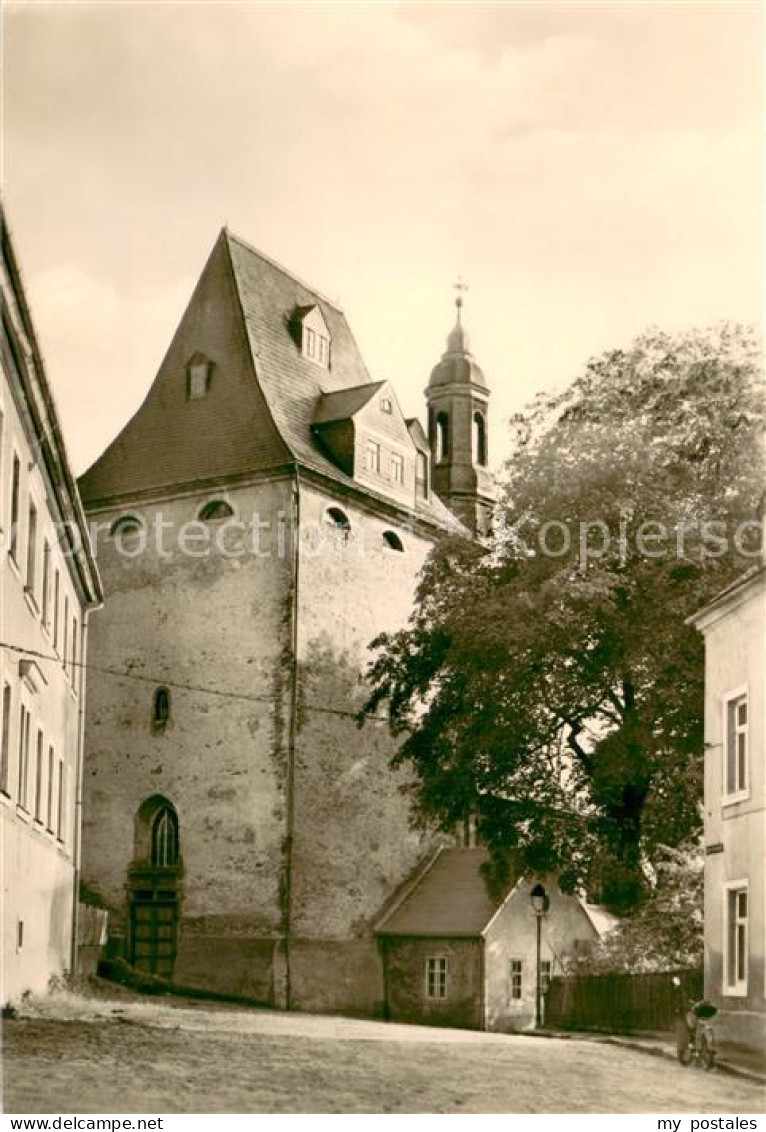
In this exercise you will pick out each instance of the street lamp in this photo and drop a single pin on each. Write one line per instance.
(540, 903)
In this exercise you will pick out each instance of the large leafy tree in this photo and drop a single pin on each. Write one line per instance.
(548, 682)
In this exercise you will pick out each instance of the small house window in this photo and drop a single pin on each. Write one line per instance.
(216, 511)
(372, 456)
(165, 839)
(421, 475)
(442, 437)
(198, 378)
(161, 713)
(386, 405)
(479, 440)
(309, 343)
(736, 726)
(323, 350)
(392, 541)
(514, 972)
(736, 938)
(397, 468)
(436, 977)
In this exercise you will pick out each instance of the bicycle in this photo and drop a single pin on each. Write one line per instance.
(699, 1048)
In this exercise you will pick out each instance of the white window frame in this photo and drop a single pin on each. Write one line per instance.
(738, 989)
(397, 468)
(440, 970)
(741, 792)
(515, 978)
(372, 455)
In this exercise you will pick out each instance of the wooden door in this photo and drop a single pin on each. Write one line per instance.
(154, 930)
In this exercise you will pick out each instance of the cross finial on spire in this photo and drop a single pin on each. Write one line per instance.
(459, 286)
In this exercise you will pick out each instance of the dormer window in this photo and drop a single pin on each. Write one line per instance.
(198, 373)
(372, 456)
(312, 335)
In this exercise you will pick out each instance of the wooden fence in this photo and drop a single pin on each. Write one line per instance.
(618, 1003)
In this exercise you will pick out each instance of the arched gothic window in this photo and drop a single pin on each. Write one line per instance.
(479, 440)
(165, 839)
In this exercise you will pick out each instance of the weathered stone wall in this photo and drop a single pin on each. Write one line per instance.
(354, 841)
(201, 623)
(405, 965)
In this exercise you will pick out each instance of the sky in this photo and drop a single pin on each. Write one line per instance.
(588, 169)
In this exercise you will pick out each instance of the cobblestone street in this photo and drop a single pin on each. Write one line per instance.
(71, 1056)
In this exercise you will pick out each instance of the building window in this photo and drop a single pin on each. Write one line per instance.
(479, 440)
(323, 350)
(338, 522)
(392, 541)
(442, 437)
(32, 549)
(216, 511)
(372, 456)
(198, 378)
(309, 342)
(546, 970)
(56, 585)
(49, 807)
(126, 526)
(39, 778)
(65, 645)
(421, 475)
(161, 713)
(23, 756)
(46, 597)
(436, 977)
(397, 468)
(736, 942)
(61, 810)
(386, 405)
(165, 839)
(5, 750)
(736, 744)
(74, 649)
(514, 972)
(13, 547)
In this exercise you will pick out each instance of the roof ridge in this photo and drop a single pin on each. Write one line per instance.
(252, 353)
(280, 267)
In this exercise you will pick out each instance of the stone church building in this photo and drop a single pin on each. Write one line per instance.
(262, 517)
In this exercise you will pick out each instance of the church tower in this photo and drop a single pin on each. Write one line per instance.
(457, 398)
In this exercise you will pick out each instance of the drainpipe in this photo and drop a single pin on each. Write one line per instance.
(76, 832)
(292, 735)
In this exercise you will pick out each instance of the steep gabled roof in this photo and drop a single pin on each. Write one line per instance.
(264, 393)
(450, 899)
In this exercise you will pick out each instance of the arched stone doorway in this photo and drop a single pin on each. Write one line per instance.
(153, 888)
